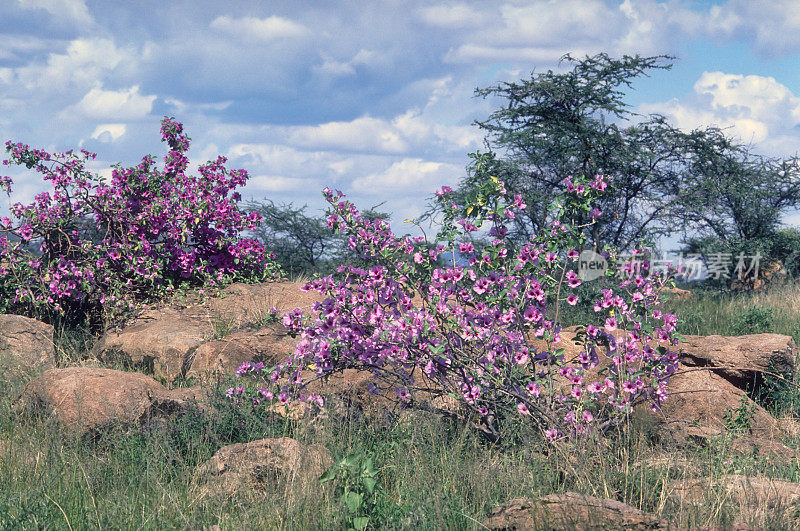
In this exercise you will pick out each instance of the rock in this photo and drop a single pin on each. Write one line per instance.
(88, 400)
(677, 294)
(698, 403)
(754, 498)
(769, 272)
(741, 358)
(26, 345)
(157, 344)
(764, 448)
(256, 466)
(163, 341)
(570, 511)
(270, 345)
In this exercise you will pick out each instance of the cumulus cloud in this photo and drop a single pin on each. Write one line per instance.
(108, 132)
(259, 29)
(74, 10)
(126, 104)
(452, 16)
(412, 175)
(754, 108)
(84, 63)
(404, 133)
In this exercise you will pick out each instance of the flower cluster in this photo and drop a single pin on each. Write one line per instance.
(109, 248)
(482, 323)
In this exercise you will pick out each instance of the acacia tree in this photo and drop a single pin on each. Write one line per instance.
(555, 125)
(735, 203)
(304, 244)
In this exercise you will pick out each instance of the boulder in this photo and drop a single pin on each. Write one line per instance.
(769, 272)
(270, 345)
(260, 465)
(676, 294)
(163, 340)
(716, 377)
(698, 403)
(570, 511)
(754, 499)
(88, 400)
(26, 345)
(740, 359)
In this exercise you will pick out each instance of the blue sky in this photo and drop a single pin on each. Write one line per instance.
(372, 97)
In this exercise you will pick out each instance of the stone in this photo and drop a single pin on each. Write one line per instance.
(753, 498)
(164, 340)
(26, 345)
(569, 511)
(697, 404)
(86, 400)
(270, 345)
(741, 359)
(255, 467)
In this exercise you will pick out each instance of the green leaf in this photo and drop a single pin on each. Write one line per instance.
(369, 484)
(353, 501)
(360, 522)
(328, 475)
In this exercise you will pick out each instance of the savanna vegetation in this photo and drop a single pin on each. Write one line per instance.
(570, 168)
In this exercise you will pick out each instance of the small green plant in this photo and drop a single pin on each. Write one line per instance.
(754, 320)
(738, 420)
(356, 482)
(266, 318)
(223, 327)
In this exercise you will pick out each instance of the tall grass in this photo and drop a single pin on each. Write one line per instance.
(433, 472)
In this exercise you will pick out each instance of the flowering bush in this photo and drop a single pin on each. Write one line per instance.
(107, 249)
(482, 324)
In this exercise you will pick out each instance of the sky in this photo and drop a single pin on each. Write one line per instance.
(375, 98)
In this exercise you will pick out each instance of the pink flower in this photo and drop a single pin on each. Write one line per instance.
(611, 324)
(523, 409)
(572, 299)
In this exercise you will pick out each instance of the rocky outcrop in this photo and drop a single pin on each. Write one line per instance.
(569, 511)
(270, 345)
(89, 400)
(26, 345)
(262, 465)
(164, 341)
(751, 498)
(741, 359)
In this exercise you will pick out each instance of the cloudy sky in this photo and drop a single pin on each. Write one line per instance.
(374, 97)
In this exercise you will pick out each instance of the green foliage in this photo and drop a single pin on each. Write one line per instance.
(356, 481)
(755, 320)
(738, 420)
(575, 122)
(303, 244)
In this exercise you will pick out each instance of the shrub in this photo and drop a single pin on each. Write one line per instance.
(106, 249)
(469, 330)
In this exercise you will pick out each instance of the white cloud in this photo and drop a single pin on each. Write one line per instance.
(259, 29)
(451, 16)
(365, 134)
(278, 183)
(773, 25)
(363, 57)
(83, 64)
(109, 132)
(754, 108)
(403, 134)
(411, 175)
(112, 104)
(74, 10)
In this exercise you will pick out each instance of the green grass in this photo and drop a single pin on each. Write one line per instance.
(432, 472)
